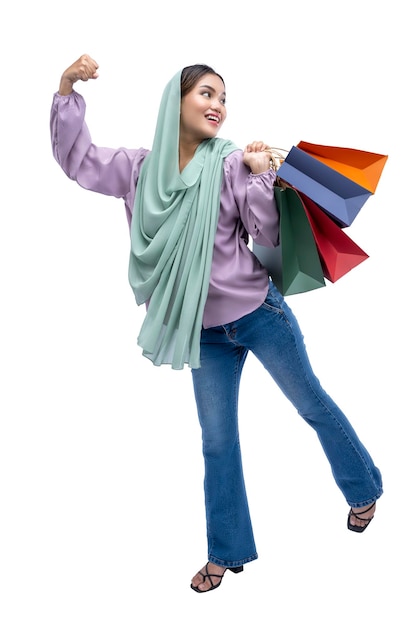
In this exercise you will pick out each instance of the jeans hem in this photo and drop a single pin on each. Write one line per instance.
(357, 505)
(223, 563)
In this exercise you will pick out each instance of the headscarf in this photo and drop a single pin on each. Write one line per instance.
(172, 237)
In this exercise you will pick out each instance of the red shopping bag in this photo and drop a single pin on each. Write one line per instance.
(338, 253)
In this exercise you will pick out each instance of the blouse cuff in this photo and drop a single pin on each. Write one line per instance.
(269, 175)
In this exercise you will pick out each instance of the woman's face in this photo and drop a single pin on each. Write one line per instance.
(203, 109)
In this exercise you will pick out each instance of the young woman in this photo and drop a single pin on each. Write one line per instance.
(192, 202)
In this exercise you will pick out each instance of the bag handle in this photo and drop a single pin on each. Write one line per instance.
(277, 158)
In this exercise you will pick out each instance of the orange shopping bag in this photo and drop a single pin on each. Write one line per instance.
(339, 180)
(365, 168)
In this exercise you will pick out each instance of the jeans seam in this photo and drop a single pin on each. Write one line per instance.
(324, 406)
(339, 425)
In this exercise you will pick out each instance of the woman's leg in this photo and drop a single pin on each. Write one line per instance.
(273, 335)
(216, 387)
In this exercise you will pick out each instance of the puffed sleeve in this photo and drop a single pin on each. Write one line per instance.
(254, 196)
(104, 170)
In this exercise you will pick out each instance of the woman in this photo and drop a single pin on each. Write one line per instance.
(192, 202)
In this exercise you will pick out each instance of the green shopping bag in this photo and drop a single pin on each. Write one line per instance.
(294, 265)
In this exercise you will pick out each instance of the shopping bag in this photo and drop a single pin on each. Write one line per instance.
(364, 168)
(340, 180)
(338, 253)
(294, 265)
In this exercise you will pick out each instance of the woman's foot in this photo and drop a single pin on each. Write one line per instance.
(360, 518)
(208, 578)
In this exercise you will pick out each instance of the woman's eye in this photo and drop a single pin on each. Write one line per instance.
(207, 94)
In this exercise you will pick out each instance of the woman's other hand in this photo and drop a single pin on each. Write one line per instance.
(85, 68)
(257, 157)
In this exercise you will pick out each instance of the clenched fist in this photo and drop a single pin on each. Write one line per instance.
(85, 68)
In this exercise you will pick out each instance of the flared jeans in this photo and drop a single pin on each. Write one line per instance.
(272, 334)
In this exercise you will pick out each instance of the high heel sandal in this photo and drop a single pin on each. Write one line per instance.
(205, 574)
(368, 520)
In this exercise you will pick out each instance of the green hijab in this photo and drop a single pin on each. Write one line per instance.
(172, 236)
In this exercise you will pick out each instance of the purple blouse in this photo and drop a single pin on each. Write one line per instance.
(238, 282)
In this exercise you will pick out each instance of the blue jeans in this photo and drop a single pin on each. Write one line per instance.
(272, 334)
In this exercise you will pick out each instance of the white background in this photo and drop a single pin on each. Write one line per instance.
(101, 499)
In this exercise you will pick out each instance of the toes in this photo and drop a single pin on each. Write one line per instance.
(207, 578)
(203, 586)
(197, 580)
(199, 583)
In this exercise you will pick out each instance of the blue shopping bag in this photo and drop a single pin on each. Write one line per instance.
(339, 180)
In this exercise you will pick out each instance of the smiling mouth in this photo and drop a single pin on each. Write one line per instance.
(213, 118)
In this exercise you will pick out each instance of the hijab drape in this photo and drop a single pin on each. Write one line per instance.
(172, 236)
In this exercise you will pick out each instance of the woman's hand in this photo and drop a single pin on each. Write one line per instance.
(257, 157)
(83, 69)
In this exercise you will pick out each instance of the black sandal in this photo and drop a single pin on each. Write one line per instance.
(235, 570)
(368, 520)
